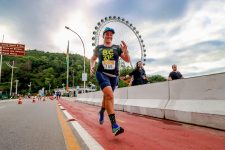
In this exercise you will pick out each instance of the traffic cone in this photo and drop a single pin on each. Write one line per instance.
(51, 98)
(33, 101)
(20, 100)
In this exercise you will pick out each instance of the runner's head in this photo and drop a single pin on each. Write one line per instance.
(107, 29)
(108, 35)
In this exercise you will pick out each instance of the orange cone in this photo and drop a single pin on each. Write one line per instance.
(51, 98)
(33, 101)
(20, 100)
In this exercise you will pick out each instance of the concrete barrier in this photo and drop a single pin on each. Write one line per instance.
(69, 98)
(120, 98)
(8, 100)
(85, 97)
(95, 98)
(149, 99)
(199, 100)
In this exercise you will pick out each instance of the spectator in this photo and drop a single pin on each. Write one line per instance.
(43, 94)
(138, 75)
(57, 95)
(174, 75)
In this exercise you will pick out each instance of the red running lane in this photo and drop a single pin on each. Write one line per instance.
(145, 133)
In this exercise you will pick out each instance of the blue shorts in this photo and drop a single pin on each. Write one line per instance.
(104, 80)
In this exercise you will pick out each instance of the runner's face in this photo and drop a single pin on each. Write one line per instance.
(108, 37)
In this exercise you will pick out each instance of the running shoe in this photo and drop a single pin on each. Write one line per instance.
(116, 129)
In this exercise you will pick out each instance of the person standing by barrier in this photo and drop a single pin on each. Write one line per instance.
(174, 75)
(39, 95)
(107, 74)
(43, 94)
(138, 76)
(57, 95)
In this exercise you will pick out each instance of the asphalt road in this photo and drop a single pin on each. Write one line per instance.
(30, 126)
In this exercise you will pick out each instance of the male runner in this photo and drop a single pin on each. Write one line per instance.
(107, 74)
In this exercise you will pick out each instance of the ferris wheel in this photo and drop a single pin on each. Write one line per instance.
(103, 22)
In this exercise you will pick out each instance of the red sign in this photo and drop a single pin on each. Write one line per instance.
(12, 49)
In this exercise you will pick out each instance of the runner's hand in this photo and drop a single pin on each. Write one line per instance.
(124, 47)
(92, 70)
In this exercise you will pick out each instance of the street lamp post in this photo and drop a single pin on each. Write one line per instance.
(67, 70)
(84, 74)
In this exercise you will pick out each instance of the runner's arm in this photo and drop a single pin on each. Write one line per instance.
(92, 64)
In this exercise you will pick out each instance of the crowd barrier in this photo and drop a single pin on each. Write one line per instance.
(197, 100)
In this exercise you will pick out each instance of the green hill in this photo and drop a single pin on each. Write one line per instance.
(41, 69)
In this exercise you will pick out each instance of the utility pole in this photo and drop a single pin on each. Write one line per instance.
(16, 86)
(29, 88)
(73, 78)
(11, 66)
(1, 61)
(49, 85)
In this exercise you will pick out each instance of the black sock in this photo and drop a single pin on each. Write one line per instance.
(112, 118)
(102, 110)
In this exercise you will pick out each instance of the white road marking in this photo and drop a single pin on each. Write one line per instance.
(91, 143)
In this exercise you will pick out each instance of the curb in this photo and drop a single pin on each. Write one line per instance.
(85, 139)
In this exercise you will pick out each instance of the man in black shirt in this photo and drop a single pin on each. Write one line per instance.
(174, 75)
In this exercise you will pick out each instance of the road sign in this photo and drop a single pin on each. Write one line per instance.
(12, 49)
(84, 76)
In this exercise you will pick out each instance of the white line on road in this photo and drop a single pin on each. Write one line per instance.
(90, 142)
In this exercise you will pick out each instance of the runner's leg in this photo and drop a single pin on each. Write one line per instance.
(109, 100)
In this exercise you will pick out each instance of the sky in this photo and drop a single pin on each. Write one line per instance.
(189, 33)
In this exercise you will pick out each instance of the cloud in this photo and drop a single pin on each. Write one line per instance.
(32, 22)
(154, 10)
(194, 42)
(200, 58)
(188, 33)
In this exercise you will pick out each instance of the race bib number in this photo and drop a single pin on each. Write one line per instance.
(108, 64)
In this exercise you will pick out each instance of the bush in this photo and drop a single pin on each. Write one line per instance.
(122, 84)
(156, 78)
(125, 71)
